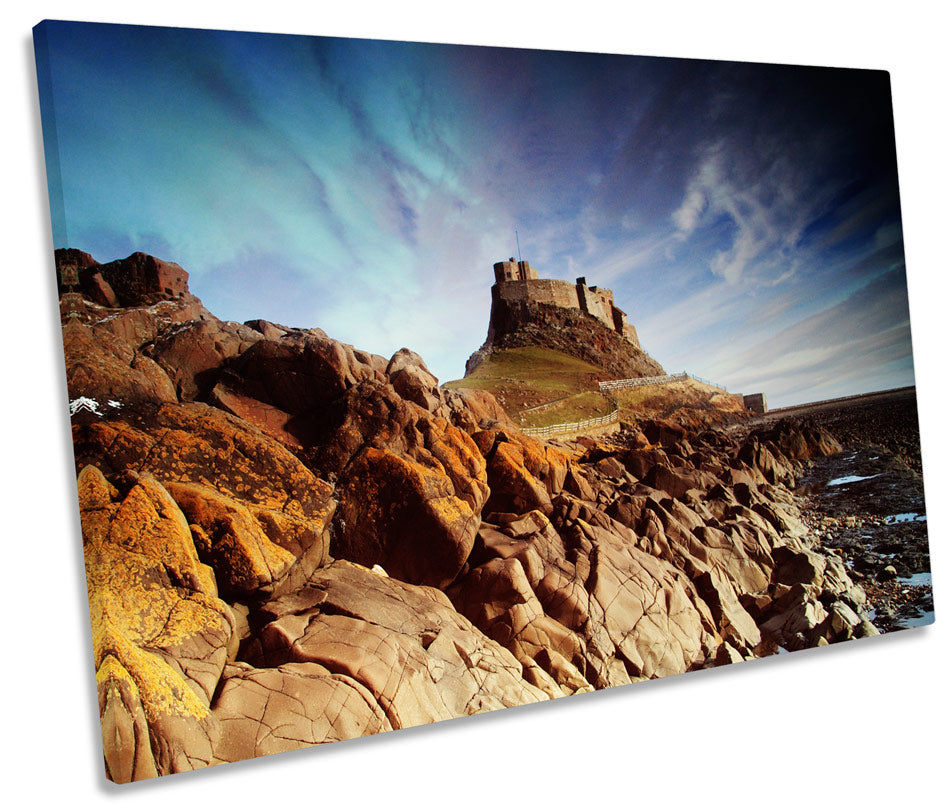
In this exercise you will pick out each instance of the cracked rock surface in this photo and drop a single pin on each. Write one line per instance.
(290, 542)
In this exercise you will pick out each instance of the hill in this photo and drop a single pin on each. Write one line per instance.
(538, 386)
(573, 319)
(689, 402)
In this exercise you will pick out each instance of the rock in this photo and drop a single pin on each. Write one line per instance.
(676, 482)
(193, 442)
(473, 409)
(262, 711)
(411, 487)
(803, 567)
(417, 658)
(142, 279)
(411, 378)
(229, 538)
(194, 353)
(406, 517)
(103, 367)
(160, 633)
(396, 553)
(240, 470)
(796, 627)
(662, 432)
(735, 624)
(300, 372)
(513, 487)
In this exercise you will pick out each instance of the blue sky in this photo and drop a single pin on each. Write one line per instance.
(746, 216)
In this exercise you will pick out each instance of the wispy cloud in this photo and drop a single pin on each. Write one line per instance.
(737, 211)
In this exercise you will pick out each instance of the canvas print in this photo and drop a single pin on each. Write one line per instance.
(412, 381)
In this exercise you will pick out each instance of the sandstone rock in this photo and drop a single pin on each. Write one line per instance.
(228, 537)
(801, 440)
(300, 372)
(513, 486)
(677, 482)
(663, 432)
(273, 422)
(160, 633)
(406, 517)
(197, 444)
(413, 653)
(104, 367)
(795, 627)
(735, 624)
(194, 353)
(411, 487)
(760, 457)
(143, 279)
(261, 711)
(498, 598)
(474, 409)
(565, 568)
(803, 567)
(411, 378)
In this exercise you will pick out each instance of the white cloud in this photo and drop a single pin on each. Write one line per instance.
(686, 217)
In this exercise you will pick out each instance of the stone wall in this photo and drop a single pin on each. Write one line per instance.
(755, 403)
(528, 310)
(599, 304)
(541, 291)
(512, 271)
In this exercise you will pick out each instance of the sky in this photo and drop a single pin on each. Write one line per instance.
(746, 216)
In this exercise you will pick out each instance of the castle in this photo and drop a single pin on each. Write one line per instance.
(517, 281)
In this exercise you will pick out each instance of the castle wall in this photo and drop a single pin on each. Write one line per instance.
(596, 302)
(600, 304)
(630, 333)
(517, 282)
(545, 291)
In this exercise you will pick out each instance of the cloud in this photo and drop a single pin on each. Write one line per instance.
(686, 217)
(866, 337)
(368, 187)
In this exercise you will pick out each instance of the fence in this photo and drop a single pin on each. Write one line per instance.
(568, 428)
(628, 383)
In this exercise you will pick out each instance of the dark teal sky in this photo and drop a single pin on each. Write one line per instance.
(746, 216)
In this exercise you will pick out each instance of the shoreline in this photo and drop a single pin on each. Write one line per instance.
(867, 505)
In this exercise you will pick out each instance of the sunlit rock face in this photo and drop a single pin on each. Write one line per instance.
(289, 541)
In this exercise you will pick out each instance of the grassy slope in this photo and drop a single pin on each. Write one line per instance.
(525, 377)
(690, 403)
(542, 387)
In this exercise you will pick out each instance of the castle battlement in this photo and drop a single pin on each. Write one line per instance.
(519, 282)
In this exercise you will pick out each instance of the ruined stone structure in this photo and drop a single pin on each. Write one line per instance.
(573, 318)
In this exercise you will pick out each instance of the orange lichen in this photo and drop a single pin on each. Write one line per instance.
(148, 594)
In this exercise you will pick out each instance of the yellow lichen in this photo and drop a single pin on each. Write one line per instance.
(137, 611)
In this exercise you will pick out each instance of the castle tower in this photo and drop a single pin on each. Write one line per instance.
(514, 271)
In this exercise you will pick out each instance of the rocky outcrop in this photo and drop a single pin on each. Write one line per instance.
(105, 367)
(160, 633)
(289, 542)
(138, 279)
(567, 330)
